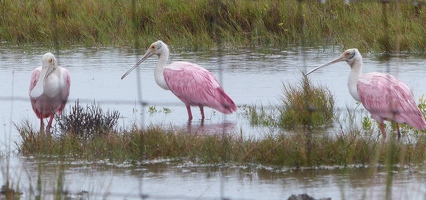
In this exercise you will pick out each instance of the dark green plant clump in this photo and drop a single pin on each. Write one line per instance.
(88, 122)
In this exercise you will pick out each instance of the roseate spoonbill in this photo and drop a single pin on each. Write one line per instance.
(383, 95)
(49, 89)
(192, 84)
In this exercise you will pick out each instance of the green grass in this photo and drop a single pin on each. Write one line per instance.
(294, 149)
(303, 105)
(208, 23)
(306, 105)
(345, 145)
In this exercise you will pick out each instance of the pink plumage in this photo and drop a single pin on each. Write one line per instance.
(195, 86)
(388, 98)
(383, 95)
(192, 84)
(49, 90)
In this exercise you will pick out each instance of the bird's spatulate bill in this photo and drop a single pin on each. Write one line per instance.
(327, 64)
(147, 55)
(38, 88)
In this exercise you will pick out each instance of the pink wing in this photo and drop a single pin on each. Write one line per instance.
(66, 89)
(196, 86)
(34, 77)
(388, 98)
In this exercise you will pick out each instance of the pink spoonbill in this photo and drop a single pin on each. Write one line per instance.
(192, 84)
(383, 95)
(49, 89)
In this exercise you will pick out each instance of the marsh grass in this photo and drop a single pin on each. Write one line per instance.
(343, 146)
(206, 23)
(306, 105)
(88, 133)
(296, 149)
(303, 105)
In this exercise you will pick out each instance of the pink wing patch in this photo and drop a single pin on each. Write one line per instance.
(196, 86)
(388, 98)
(34, 77)
(66, 91)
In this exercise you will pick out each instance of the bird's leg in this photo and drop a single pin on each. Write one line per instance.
(188, 109)
(382, 129)
(202, 112)
(399, 132)
(41, 125)
(49, 124)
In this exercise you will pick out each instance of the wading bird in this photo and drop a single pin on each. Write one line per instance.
(383, 95)
(192, 84)
(49, 89)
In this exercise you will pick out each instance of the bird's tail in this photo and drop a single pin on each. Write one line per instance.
(416, 120)
(420, 124)
(224, 103)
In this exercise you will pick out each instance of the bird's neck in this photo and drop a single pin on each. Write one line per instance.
(53, 83)
(159, 69)
(354, 75)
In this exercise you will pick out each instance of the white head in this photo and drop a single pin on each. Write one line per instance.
(49, 64)
(351, 56)
(158, 48)
(49, 60)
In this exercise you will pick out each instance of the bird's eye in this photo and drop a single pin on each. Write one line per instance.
(347, 54)
(50, 60)
(152, 47)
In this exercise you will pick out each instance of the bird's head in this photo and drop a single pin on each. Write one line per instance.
(158, 48)
(350, 56)
(48, 65)
(49, 61)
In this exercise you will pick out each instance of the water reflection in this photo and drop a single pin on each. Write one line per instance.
(206, 128)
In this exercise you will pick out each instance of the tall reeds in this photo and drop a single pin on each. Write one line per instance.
(205, 23)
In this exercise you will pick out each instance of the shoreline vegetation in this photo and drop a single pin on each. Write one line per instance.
(318, 135)
(371, 26)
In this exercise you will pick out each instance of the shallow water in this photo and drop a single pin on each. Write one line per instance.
(250, 76)
(167, 180)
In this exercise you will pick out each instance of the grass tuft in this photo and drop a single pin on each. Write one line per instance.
(306, 105)
(303, 106)
(88, 122)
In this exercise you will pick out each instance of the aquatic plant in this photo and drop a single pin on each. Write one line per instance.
(306, 105)
(303, 105)
(344, 146)
(259, 115)
(87, 122)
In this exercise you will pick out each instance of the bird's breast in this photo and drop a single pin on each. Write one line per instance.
(53, 86)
